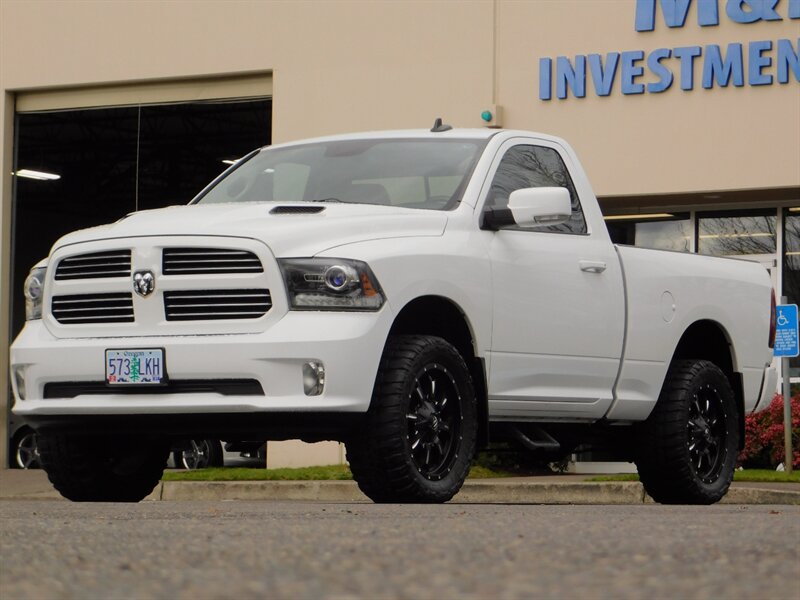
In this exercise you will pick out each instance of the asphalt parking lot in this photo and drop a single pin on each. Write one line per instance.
(55, 549)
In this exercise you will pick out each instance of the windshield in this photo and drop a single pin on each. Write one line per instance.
(413, 173)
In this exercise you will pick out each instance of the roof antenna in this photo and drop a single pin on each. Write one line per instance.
(439, 127)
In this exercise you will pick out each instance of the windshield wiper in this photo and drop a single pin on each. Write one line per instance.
(326, 200)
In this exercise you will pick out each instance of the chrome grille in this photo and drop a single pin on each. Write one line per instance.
(92, 308)
(96, 265)
(212, 261)
(203, 305)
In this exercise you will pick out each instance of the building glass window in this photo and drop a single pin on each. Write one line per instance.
(737, 233)
(791, 267)
(673, 232)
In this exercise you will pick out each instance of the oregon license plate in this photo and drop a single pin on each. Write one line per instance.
(126, 367)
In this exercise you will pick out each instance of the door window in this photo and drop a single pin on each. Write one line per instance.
(527, 166)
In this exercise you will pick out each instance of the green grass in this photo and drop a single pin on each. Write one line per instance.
(333, 472)
(757, 475)
(620, 477)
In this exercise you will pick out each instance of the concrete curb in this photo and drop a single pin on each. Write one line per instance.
(310, 491)
(502, 492)
(751, 495)
(473, 492)
(33, 485)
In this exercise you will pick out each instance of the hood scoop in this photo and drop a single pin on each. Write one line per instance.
(296, 210)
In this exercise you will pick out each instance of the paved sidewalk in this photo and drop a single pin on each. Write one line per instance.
(549, 489)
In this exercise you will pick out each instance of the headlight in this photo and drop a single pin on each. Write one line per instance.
(330, 284)
(34, 290)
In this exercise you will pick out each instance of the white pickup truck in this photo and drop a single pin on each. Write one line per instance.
(408, 293)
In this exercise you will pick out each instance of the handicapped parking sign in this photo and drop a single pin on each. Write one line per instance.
(786, 331)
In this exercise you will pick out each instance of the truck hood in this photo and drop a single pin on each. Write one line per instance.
(287, 233)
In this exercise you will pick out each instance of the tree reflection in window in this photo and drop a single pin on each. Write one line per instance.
(791, 268)
(737, 234)
(526, 166)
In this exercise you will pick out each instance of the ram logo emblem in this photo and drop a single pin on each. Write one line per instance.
(144, 282)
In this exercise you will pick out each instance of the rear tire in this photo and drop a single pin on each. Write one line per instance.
(686, 450)
(421, 428)
(103, 468)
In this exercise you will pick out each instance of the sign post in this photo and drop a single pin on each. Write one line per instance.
(786, 347)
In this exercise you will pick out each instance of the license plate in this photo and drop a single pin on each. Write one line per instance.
(128, 367)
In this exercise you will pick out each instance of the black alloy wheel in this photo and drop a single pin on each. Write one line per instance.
(434, 421)
(707, 432)
(421, 428)
(686, 449)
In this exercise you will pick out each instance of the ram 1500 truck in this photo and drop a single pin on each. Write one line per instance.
(407, 293)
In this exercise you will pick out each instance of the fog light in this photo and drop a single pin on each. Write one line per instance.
(313, 378)
(19, 382)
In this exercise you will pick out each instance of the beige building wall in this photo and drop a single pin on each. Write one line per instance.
(347, 66)
(673, 142)
(341, 65)
(295, 453)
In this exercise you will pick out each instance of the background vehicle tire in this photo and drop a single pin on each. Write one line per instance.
(686, 450)
(24, 450)
(198, 454)
(103, 468)
(420, 434)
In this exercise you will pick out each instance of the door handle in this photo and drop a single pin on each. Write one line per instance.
(592, 266)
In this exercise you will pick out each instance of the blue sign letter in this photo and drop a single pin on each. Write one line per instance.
(545, 78)
(675, 12)
(723, 70)
(567, 77)
(603, 78)
(664, 74)
(794, 9)
(630, 71)
(757, 10)
(687, 54)
(756, 63)
(788, 58)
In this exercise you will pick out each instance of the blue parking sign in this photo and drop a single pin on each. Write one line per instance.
(786, 331)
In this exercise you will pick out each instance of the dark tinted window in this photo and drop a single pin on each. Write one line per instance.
(530, 167)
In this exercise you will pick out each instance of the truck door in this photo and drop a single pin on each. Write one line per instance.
(559, 307)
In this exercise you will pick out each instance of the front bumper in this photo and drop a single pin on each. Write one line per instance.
(348, 344)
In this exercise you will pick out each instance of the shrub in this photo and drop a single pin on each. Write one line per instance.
(763, 436)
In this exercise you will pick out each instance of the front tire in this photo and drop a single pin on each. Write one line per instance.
(103, 468)
(421, 427)
(686, 450)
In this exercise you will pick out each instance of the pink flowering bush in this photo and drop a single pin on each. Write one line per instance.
(763, 436)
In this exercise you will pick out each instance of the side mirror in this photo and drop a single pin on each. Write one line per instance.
(532, 207)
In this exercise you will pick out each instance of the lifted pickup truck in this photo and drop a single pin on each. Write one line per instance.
(406, 293)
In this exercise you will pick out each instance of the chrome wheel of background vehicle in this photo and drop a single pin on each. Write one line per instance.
(26, 451)
(198, 454)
